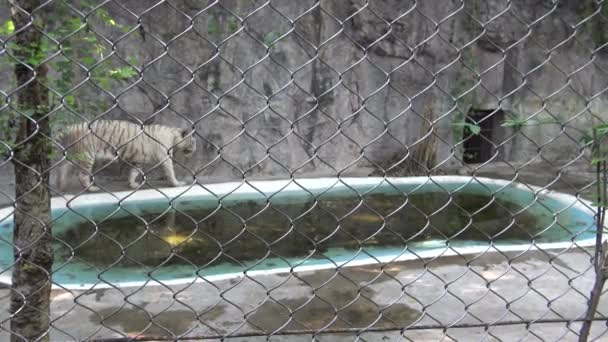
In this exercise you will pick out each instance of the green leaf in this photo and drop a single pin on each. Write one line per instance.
(74, 24)
(133, 60)
(90, 39)
(601, 129)
(70, 100)
(7, 28)
(586, 139)
(271, 37)
(63, 65)
(122, 73)
(88, 60)
(105, 16)
(602, 126)
(103, 81)
(28, 112)
(472, 128)
(233, 25)
(517, 122)
(14, 46)
(475, 129)
(213, 25)
(99, 49)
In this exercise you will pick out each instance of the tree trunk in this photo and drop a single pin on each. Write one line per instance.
(31, 285)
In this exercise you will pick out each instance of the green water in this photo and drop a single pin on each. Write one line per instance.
(249, 231)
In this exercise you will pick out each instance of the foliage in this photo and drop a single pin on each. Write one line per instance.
(599, 150)
(601, 130)
(71, 51)
(594, 28)
(462, 85)
(270, 38)
(587, 137)
(7, 28)
(518, 122)
(473, 9)
(470, 128)
(122, 73)
(233, 25)
(213, 24)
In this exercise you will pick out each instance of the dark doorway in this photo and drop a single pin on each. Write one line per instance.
(479, 148)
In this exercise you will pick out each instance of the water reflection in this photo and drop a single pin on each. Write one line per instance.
(240, 233)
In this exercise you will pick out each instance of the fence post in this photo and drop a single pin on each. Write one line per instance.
(31, 285)
(601, 250)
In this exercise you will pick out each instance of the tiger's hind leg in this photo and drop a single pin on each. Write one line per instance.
(133, 173)
(86, 170)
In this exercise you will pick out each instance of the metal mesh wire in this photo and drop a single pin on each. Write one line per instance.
(319, 96)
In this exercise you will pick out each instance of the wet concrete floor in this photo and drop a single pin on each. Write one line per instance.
(376, 303)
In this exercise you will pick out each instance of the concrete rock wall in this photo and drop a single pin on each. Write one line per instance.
(352, 97)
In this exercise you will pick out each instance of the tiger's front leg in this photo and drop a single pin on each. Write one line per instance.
(133, 173)
(170, 173)
(86, 171)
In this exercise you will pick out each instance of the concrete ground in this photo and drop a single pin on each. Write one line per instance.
(456, 290)
(572, 179)
(397, 302)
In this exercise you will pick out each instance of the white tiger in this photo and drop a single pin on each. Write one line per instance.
(114, 139)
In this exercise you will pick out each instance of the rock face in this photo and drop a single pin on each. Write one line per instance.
(351, 88)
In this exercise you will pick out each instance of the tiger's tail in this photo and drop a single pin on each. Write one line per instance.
(63, 164)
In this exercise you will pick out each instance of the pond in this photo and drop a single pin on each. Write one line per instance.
(226, 229)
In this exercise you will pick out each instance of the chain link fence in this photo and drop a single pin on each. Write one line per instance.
(312, 170)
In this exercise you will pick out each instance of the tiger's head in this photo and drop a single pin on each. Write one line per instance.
(185, 142)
